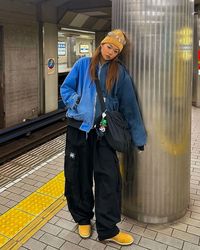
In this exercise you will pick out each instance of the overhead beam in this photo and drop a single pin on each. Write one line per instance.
(81, 5)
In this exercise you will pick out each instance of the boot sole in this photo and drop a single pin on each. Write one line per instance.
(85, 236)
(119, 243)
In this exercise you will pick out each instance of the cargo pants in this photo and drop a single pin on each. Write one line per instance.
(89, 159)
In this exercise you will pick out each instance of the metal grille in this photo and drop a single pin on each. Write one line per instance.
(13, 170)
(28, 160)
(24, 163)
(4, 180)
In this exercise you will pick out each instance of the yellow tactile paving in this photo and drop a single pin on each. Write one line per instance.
(54, 188)
(19, 223)
(60, 177)
(13, 221)
(35, 203)
(3, 240)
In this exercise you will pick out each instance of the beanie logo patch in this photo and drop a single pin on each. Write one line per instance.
(121, 40)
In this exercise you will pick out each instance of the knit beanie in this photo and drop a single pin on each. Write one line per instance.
(115, 37)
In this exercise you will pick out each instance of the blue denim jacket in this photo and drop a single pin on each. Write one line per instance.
(122, 97)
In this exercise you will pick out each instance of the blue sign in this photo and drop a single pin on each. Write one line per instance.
(51, 63)
(61, 48)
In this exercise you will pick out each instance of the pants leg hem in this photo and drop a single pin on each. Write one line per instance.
(84, 222)
(108, 234)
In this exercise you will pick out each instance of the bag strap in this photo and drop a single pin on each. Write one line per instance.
(100, 95)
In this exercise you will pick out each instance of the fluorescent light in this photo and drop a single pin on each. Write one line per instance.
(75, 30)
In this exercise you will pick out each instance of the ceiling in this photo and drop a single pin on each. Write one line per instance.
(94, 15)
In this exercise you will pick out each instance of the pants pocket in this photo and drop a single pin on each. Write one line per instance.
(71, 164)
(75, 137)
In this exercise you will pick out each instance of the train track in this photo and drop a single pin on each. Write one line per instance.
(16, 141)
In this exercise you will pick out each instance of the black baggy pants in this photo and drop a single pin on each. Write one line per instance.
(85, 158)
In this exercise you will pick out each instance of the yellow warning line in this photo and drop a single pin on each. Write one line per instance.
(19, 223)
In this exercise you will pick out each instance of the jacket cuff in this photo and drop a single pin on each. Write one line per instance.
(140, 148)
(74, 101)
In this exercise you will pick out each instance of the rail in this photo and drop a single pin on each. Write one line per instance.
(23, 137)
(27, 127)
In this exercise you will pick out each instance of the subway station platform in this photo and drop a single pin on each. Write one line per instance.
(34, 213)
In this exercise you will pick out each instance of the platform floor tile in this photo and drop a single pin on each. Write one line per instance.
(35, 204)
(13, 221)
(20, 222)
(3, 240)
(54, 188)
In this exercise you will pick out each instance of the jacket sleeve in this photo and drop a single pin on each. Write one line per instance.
(68, 89)
(129, 107)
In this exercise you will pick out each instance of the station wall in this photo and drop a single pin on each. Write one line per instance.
(21, 72)
(20, 46)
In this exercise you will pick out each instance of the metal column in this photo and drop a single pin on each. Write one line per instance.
(159, 57)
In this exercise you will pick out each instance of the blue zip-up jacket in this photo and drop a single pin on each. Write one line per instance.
(79, 85)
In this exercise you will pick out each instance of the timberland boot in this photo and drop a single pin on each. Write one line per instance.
(84, 231)
(122, 239)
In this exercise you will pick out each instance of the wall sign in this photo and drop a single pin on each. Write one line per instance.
(84, 48)
(51, 65)
(61, 48)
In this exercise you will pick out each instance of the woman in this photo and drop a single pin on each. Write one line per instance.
(87, 155)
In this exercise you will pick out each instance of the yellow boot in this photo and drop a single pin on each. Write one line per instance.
(122, 239)
(84, 231)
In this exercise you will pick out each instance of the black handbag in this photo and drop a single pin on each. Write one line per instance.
(116, 130)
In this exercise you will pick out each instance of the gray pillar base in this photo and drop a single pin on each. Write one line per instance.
(153, 219)
(196, 104)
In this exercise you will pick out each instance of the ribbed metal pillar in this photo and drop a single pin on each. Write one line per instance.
(159, 57)
(196, 67)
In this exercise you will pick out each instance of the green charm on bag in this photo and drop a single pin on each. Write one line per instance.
(103, 123)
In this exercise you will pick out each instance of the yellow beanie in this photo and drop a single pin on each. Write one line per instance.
(115, 37)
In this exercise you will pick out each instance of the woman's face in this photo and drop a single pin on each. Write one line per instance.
(109, 51)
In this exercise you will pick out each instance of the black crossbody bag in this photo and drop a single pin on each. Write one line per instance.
(116, 131)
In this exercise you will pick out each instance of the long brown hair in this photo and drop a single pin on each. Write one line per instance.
(112, 73)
